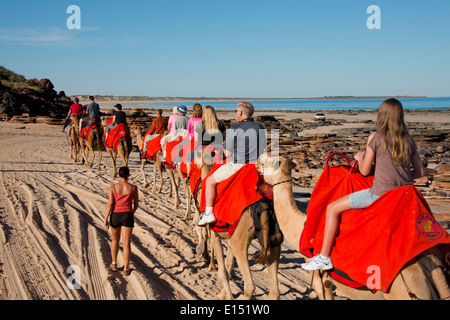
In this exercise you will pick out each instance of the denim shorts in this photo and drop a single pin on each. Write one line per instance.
(362, 199)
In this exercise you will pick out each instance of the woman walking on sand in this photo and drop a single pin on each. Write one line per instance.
(122, 204)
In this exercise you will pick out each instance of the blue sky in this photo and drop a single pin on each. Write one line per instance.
(218, 48)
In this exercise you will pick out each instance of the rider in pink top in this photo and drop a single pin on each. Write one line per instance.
(192, 124)
(195, 120)
(172, 120)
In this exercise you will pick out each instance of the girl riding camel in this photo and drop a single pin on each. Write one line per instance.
(397, 164)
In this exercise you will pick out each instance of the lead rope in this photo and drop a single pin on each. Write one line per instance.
(410, 293)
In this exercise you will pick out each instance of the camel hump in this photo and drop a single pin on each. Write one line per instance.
(266, 227)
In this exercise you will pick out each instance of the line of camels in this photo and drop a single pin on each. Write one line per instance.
(410, 283)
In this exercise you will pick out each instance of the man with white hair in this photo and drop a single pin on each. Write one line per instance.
(244, 143)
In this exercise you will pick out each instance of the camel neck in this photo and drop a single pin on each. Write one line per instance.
(140, 141)
(290, 219)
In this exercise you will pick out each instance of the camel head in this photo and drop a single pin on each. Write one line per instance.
(104, 121)
(136, 130)
(274, 168)
(204, 157)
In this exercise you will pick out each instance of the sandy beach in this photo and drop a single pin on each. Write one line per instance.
(51, 218)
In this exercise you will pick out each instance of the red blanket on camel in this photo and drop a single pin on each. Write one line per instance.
(153, 146)
(373, 243)
(116, 135)
(195, 174)
(171, 151)
(234, 195)
(87, 129)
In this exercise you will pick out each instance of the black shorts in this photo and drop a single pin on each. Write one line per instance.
(121, 219)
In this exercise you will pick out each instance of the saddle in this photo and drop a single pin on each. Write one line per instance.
(234, 195)
(116, 136)
(86, 129)
(153, 146)
(171, 152)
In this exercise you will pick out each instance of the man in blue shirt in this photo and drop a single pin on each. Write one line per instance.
(244, 143)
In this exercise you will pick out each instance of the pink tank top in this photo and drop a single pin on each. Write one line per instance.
(123, 202)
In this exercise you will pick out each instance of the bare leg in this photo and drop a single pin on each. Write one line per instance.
(126, 243)
(115, 238)
(210, 191)
(334, 211)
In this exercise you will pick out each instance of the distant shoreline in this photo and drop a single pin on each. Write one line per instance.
(136, 99)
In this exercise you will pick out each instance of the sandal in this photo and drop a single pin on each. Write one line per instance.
(113, 266)
(126, 272)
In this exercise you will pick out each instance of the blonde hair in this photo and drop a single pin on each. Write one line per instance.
(392, 128)
(197, 110)
(210, 121)
(246, 108)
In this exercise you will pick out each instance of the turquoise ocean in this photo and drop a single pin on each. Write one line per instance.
(430, 103)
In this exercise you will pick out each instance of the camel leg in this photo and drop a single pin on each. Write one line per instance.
(225, 294)
(154, 179)
(99, 149)
(123, 157)
(187, 192)
(187, 215)
(240, 250)
(272, 271)
(83, 152)
(123, 153)
(327, 286)
(75, 150)
(176, 204)
(229, 262)
(113, 161)
(146, 184)
(71, 153)
(86, 153)
(212, 265)
(91, 149)
(161, 179)
(201, 248)
(171, 181)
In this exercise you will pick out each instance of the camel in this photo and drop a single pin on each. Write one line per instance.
(75, 147)
(238, 246)
(158, 166)
(137, 131)
(410, 282)
(123, 150)
(204, 163)
(87, 145)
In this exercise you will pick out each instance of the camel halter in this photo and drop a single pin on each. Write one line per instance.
(281, 182)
